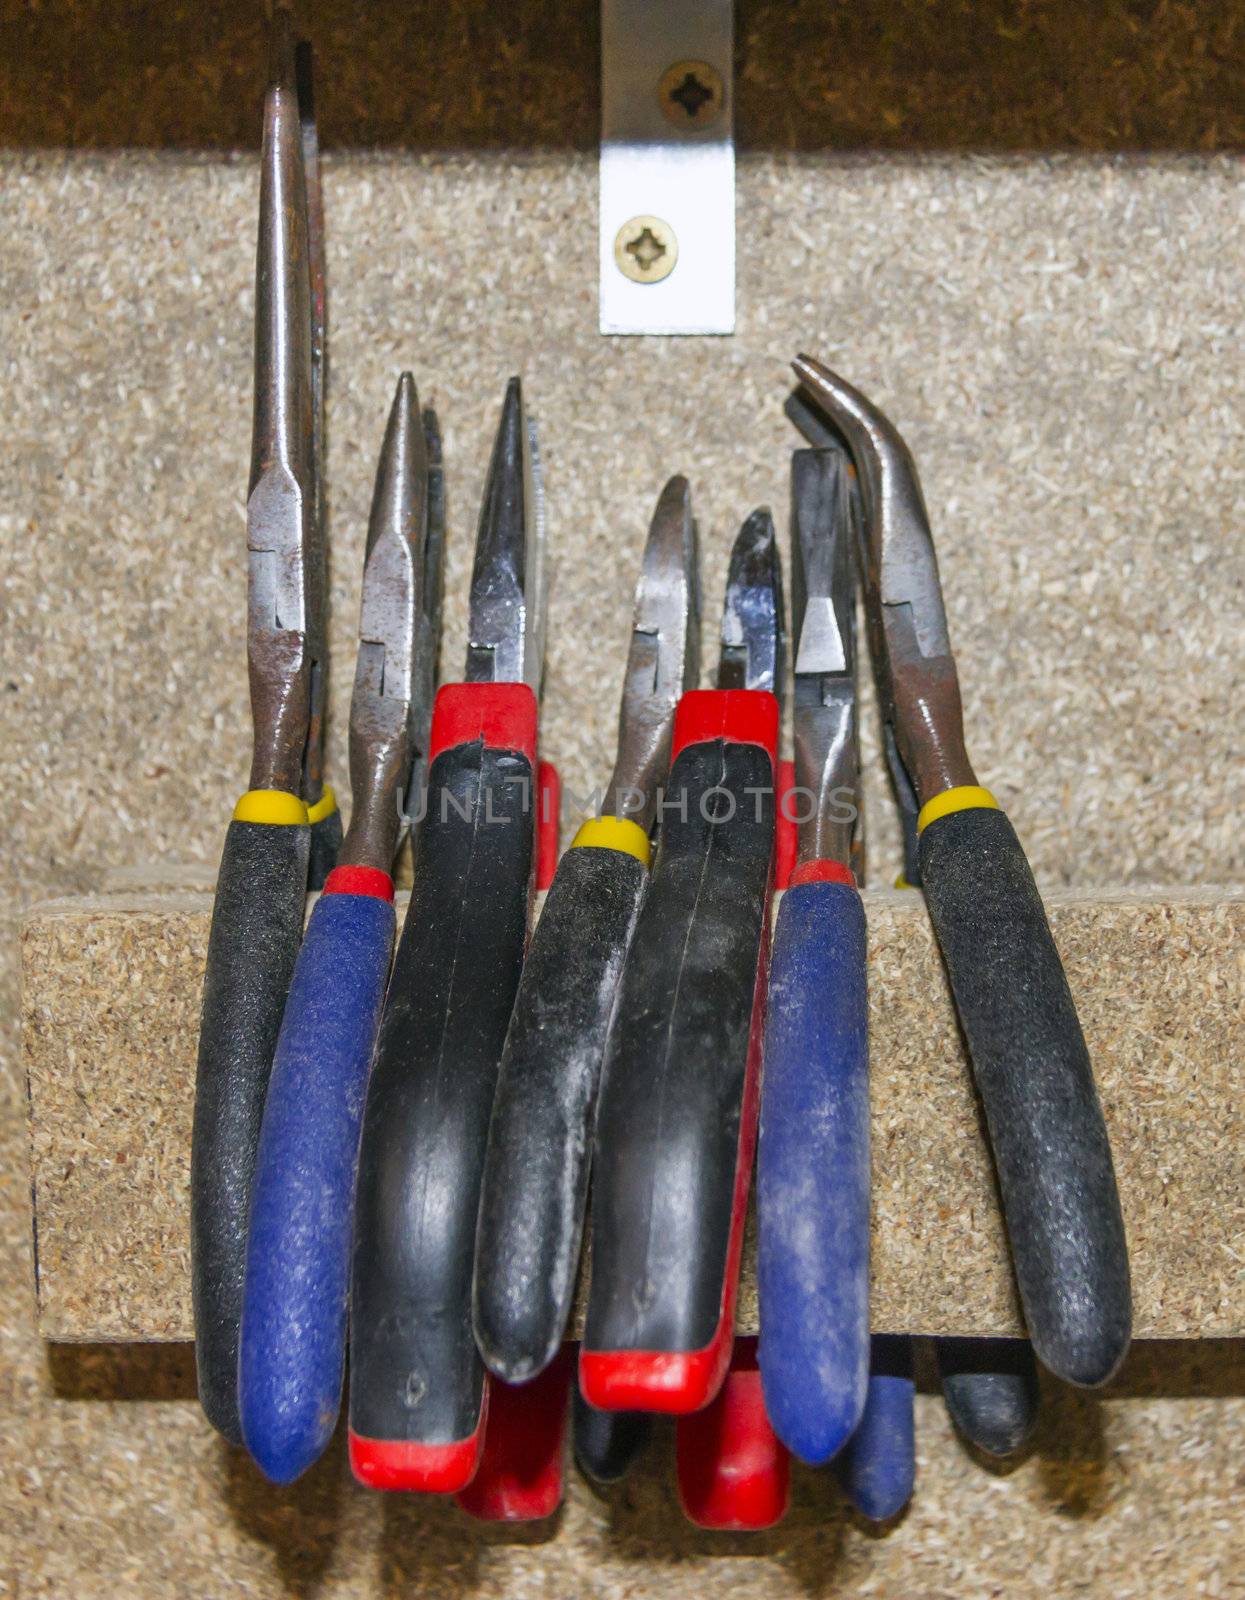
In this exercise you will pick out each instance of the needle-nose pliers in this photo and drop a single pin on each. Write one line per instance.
(813, 1161)
(676, 1120)
(1028, 1053)
(417, 1384)
(285, 829)
(298, 1248)
(535, 1185)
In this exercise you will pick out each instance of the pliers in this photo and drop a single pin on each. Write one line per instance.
(1028, 1053)
(285, 829)
(535, 1186)
(676, 1120)
(417, 1385)
(989, 1386)
(293, 1340)
(826, 1381)
(813, 1161)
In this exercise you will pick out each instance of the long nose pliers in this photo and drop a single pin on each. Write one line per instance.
(417, 1385)
(285, 829)
(298, 1248)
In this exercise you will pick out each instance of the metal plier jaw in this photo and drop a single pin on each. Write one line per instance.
(506, 639)
(663, 661)
(285, 537)
(824, 532)
(391, 706)
(754, 641)
(917, 680)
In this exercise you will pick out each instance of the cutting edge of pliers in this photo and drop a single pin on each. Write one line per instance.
(824, 537)
(497, 699)
(663, 659)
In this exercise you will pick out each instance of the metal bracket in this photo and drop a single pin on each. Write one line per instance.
(667, 209)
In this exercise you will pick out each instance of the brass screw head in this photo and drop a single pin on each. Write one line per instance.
(645, 249)
(690, 94)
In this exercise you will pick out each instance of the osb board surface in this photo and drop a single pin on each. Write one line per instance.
(1057, 336)
(111, 998)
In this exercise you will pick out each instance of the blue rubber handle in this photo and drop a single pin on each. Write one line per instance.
(878, 1469)
(813, 1173)
(298, 1248)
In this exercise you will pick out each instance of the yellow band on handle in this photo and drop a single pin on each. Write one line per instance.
(272, 806)
(615, 833)
(324, 806)
(966, 797)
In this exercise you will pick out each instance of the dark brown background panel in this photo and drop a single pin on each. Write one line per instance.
(454, 74)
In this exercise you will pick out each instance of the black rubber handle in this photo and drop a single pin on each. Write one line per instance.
(990, 1387)
(257, 927)
(676, 1120)
(1037, 1087)
(535, 1187)
(416, 1378)
(326, 840)
(607, 1442)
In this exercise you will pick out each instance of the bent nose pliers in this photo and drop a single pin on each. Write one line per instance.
(1028, 1053)
(285, 829)
(298, 1247)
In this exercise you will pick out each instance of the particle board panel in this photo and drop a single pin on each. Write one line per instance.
(110, 1013)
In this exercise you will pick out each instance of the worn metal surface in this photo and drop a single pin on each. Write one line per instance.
(664, 657)
(286, 652)
(823, 628)
(506, 625)
(313, 758)
(753, 652)
(399, 624)
(917, 682)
